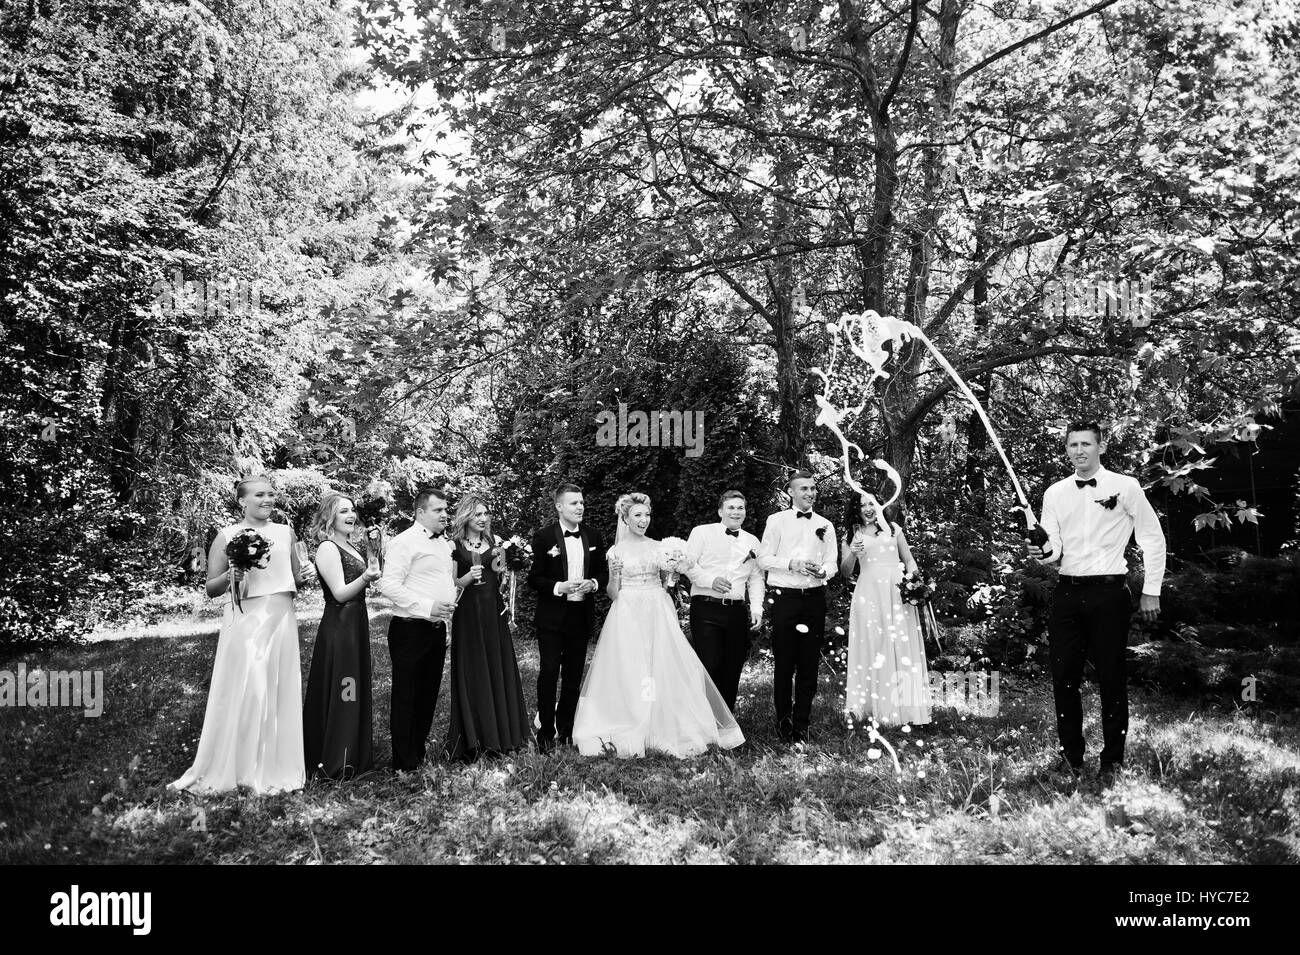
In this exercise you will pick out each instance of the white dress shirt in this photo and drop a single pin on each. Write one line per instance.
(714, 553)
(788, 537)
(573, 557)
(1089, 539)
(418, 571)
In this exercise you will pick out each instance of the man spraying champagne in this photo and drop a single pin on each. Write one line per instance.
(1088, 520)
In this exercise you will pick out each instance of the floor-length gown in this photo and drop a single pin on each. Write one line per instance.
(887, 676)
(337, 714)
(252, 727)
(488, 713)
(645, 688)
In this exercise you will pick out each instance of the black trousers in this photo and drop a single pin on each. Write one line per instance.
(797, 654)
(562, 645)
(720, 636)
(1090, 622)
(418, 649)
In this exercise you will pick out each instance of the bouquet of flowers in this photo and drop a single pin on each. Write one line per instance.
(513, 557)
(373, 541)
(517, 554)
(672, 554)
(247, 550)
(672, 558)
(916, 588)
(370, 512)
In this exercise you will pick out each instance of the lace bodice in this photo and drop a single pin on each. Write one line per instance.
(641, 565)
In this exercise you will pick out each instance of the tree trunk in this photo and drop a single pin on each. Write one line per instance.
(977, 439)
(900, 394)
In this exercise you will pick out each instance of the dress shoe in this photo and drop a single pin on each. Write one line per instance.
(545, 744)
(1063, 767)
(1110, 772)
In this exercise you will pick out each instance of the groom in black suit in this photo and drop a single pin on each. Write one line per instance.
(568, 568)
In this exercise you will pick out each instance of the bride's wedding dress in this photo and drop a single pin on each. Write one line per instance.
(646, 689)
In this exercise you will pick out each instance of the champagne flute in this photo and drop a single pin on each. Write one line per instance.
(476, 559)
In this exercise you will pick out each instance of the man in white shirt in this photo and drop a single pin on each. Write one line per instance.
(1089, 519)
(799, 553)
(724, 565)
(419, 580)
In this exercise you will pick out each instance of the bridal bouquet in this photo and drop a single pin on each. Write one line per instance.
(916, 588)
(672, 554)
(672, 558)
(247, 550)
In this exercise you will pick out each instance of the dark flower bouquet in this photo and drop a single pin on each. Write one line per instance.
(916, 589)
(247, 550)
(371, 512)
(374, 545)
(513, 557)
(517, 554)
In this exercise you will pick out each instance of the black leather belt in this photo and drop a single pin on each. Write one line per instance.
(1093, 579)
(799, 591)
(725, 601)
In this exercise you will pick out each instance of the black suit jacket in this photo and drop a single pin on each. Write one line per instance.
(551, 566)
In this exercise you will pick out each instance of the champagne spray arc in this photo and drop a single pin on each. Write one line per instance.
(866, 335)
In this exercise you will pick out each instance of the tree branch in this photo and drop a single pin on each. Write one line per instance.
(902, 60)
(1032, 38)
(936, 394)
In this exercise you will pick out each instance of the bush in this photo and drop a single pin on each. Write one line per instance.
(1240, 591)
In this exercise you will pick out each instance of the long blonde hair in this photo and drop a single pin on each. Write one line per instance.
(321, 527)
(465, 513)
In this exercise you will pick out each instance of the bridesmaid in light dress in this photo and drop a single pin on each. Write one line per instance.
(252, 728)
(887, 675)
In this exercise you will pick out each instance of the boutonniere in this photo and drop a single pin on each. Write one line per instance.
(821, 532)
(1108, 502)
(553, 552)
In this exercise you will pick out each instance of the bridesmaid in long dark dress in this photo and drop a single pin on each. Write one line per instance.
(337, 711)
(488, 714)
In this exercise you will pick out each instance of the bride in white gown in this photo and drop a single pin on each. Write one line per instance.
(646, 689)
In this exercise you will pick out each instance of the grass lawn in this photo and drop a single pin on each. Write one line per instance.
(1206, 783)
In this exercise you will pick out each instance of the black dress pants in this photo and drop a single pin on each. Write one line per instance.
(418, 649)
(1089, 621)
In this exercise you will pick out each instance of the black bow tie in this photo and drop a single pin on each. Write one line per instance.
(573, 533)
(735, 533)
(1081, 484)
(433, 534)
(807, 514)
